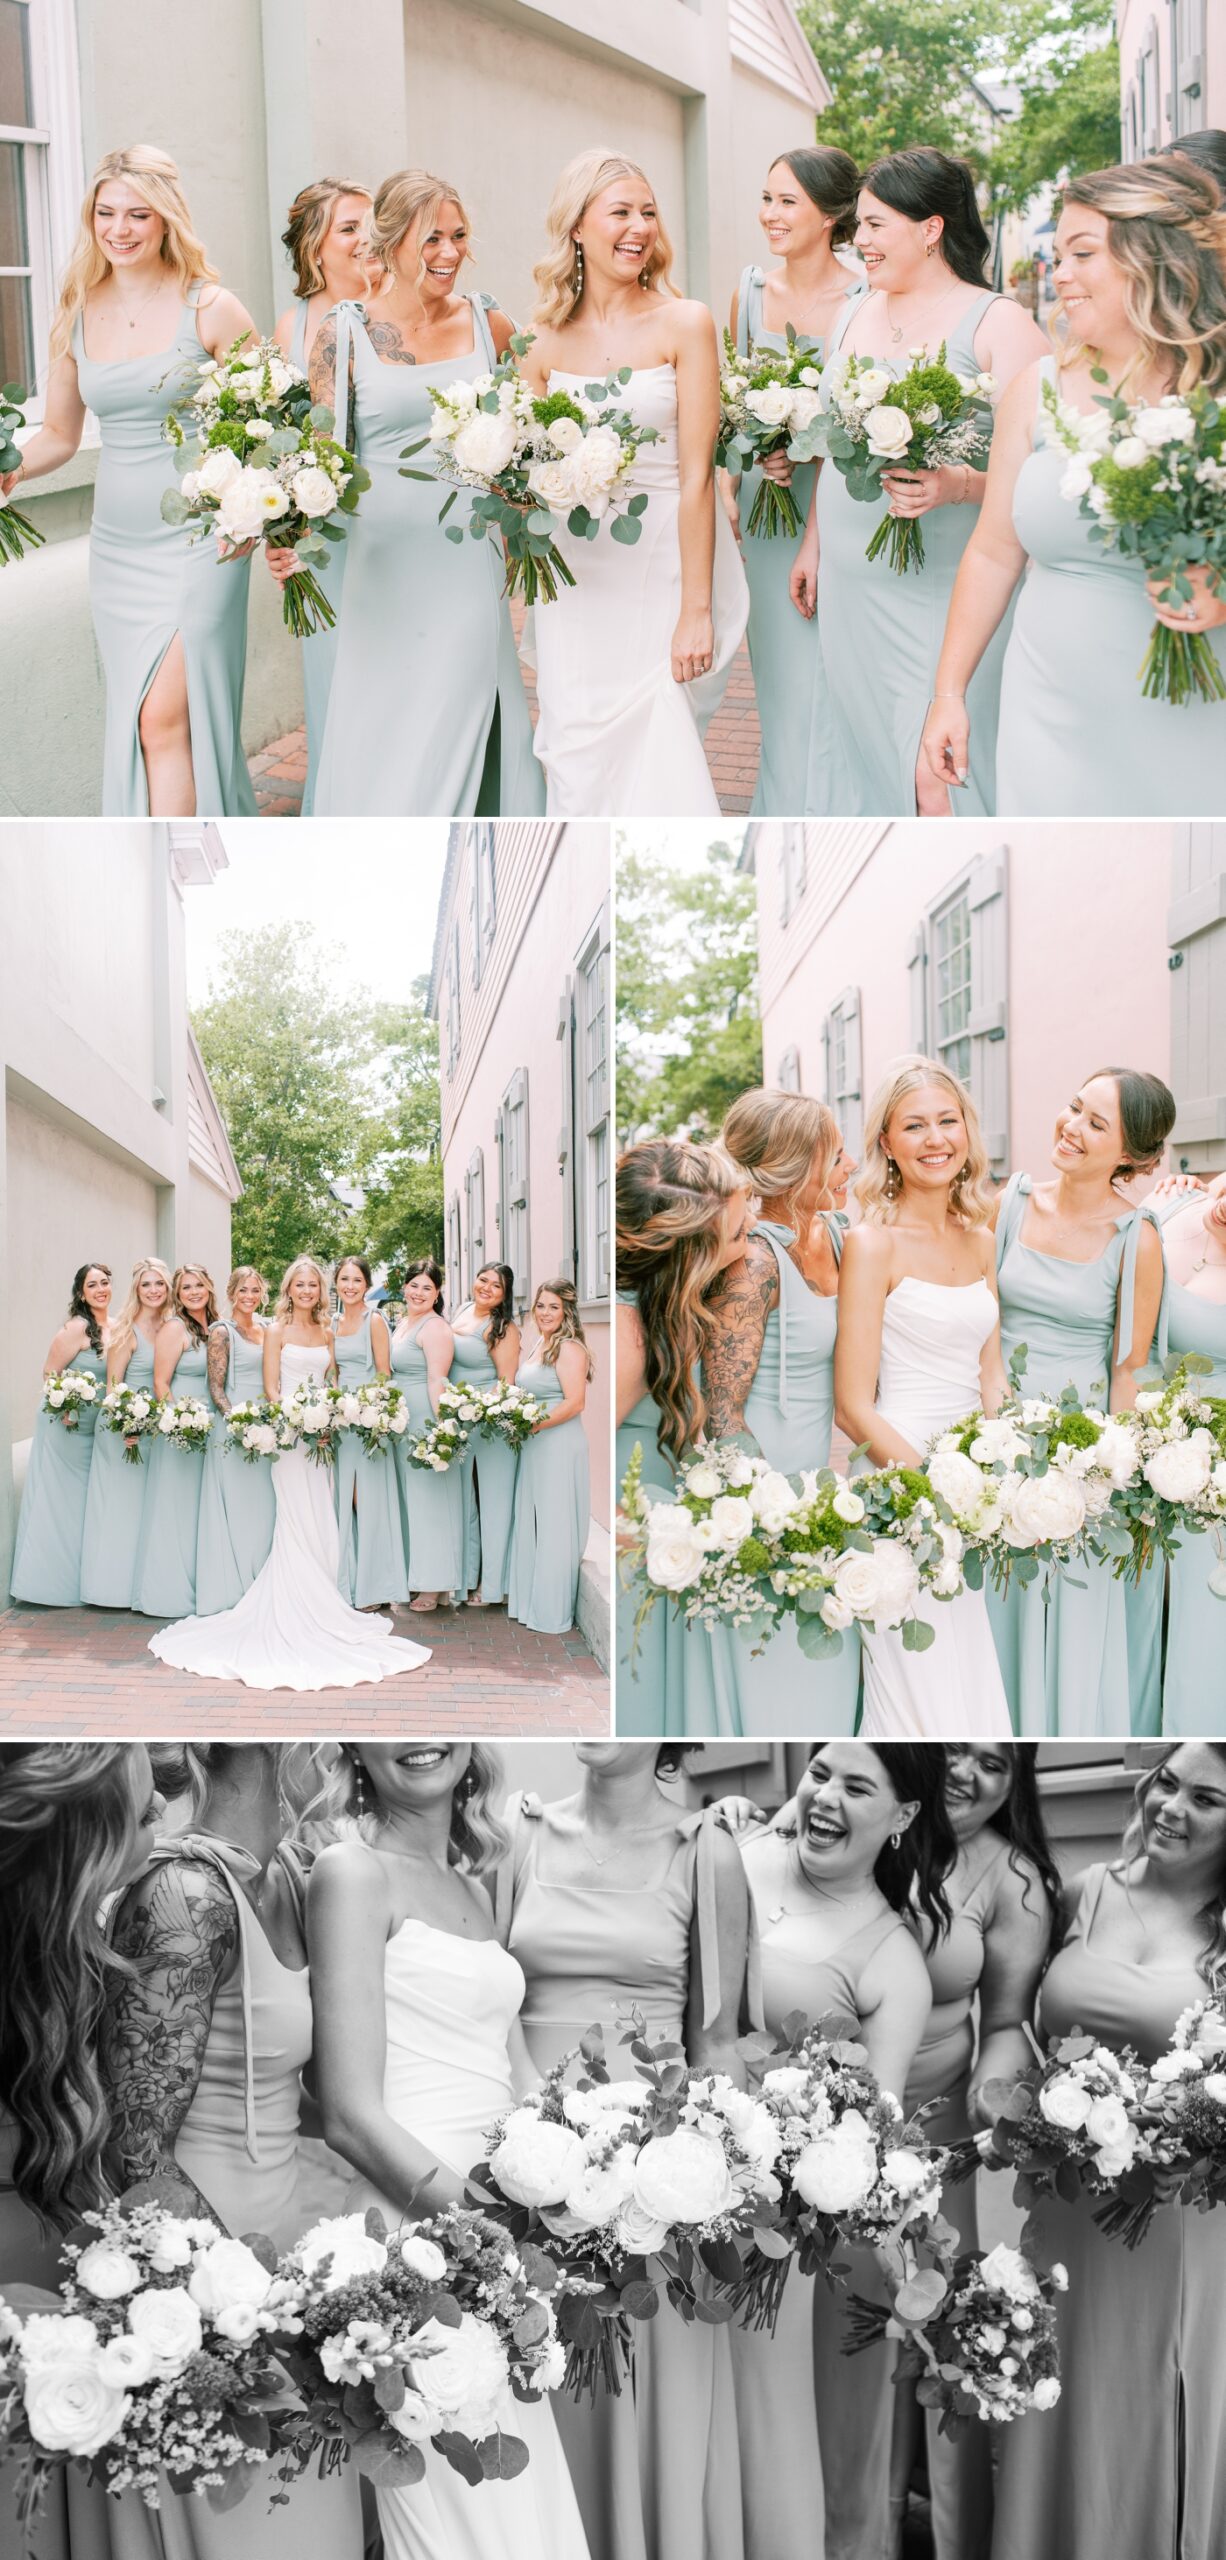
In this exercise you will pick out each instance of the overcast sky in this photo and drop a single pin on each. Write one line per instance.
(683, 845)
(370, 890)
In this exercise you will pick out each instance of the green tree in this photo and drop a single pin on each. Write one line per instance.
(1070, 119)
(689, 1038)
(399, 1167)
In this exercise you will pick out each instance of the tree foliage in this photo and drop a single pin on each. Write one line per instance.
(689, 1038)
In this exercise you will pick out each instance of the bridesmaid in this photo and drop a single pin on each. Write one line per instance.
(1140, 273)
(808, 211)
(552, 1491)
(925, 253)
(422, 1350)
(611, 1899)
(486, 1349)
(872, 1844)
(1140, 2330)
(683, 1217)
(115, 1500)
(768, 1368)
(47, 1559)
(373, 1567)
(1194, 1685)
(238, 1505)
(1079, 1271)
(326, 238)
(170, 616)
(164, 1580)
(420, 611)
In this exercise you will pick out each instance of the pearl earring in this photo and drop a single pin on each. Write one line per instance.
(577, 278)
(359, 1787)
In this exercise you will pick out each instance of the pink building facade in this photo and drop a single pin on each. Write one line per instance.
(1172, 70)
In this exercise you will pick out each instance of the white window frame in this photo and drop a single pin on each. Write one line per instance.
(484, 893)
(474, 1218)
(53, 172)
(592, 1113)
(455, 1255)
(515, 1185)
(844, 1080)
(793, 867)
(983, 884)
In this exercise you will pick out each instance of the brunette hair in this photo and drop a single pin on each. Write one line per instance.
(431, 1270)
(310, 220)
(1019, 1820)
(1147, 1117)
(1166, 232)
(671, 1199)
(503, 1316)
(831, 181)
(922, 183)
(913, 1874)
(1207, 149)
(80, 1307)
(359, 1262)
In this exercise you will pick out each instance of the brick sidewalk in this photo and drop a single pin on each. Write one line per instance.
(89, 1671)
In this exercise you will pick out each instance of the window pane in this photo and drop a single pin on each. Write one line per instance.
(16, 99)
(16, 334)
(14, 237)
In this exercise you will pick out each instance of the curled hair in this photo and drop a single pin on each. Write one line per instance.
(671, 1198)
(922, 184)
(246, 1271)
(831, 181)
(912, 1876)
(285, 1310)
(1019, 1820)
(311, 216)
(154, 176)
(569, 1330)
(971, 1194)
(123, 1332)
(412, 200)
(67, 1838)
(478, 1840)
(671, 1758)
(781, 1143)
(1166, 232)
(503, 1316)
(197, 1326)
(558, 276)
(1147, 1117)
(80, 1305)
(1212, 1914)
(1207, 149)
(194, 1769)
(427, 1268)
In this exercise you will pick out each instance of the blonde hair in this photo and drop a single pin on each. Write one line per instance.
(246, 1271)
(1166, 232)
(285, 1310)
(558, 277)
(671, 1200)
(412, 198)
(971, 1195)
(155, 177)
(310, 219)
(569, 1330)
(123, 1332)
(774, 1138)
(478, 1840)
(197, 1328)
(1212, 1914)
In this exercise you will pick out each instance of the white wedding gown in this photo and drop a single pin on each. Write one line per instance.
(451, 2003)
(928, 1378)
(292, 1629)
(615, 730)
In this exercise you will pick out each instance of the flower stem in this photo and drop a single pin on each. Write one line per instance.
(305, 606)
(1181, 666)
(774, 511)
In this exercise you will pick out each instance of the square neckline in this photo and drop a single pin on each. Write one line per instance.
(435, 361)
(112, 364)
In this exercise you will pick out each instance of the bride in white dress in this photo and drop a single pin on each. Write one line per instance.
(292, 1629)
(418, 2049)
(918, 1348)
(632, 660)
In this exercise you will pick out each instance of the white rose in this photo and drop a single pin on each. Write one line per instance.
(72, 2408)
(535, 2161)
(956, 1479)
(127, 2362)
(888, 431)
(170, 2245)
(774, 1502)
(735, 384)
(837, 1613)
(462, 2374)
(786, 2081)
(55, 1397)
(1181, 1471)
(804, 408)
(1042, 1507)
(1108, 2128)
(107, 2271)
(314, 491)
(639, 2234)
(847, 1505)
(1130, 453)
(51, 2337)
(258, 429)
(1169, 423)
(683, 2177)
(676, 1548)
(1115, 1452)
(227, 2274)
(486, 442)
(1064, 2102)
(351, 2248)
(168, 2323)
(839, 2169)
(871, 387)
(771, 405)
(553, 485)
(218, 472)
(425, 2259)
(1046, 2392)
(1214, 2086)
(704, 1482)
(731, 1521)
(250, 505)
(1007, 2272)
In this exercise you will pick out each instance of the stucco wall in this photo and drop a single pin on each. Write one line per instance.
(68, 1202)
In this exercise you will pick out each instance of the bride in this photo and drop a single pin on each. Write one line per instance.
(292, 1629)
(918, 1347)
(632, 660)
(418, 2049)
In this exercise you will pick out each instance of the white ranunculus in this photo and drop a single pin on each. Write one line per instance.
(351, 2248)
(564, 435)
(956, 1479)
(1130, 453)
(107, 2271)
(72, 2408)
(810, 375)
(250, 505)
(703, 1481)
(226, 2274)
(486, 442)
(462, 2374)
(786, 2081)
(774, 1502)
(1171, 422)
(837, 1613)
(888, 431)
(1043, 1507)
(872, 387)
(424, 2257)
(847, 1506)
(314, 491)
(929, 414)
(676, 1548)
(218, 472)
(1077, 477)
(599, 2188)
(683, 2177)
(1108, 2128)
(731, 1521)
(535, 2161)
(771, 405)
(1065, 2102)
(127, 2362)
(839, 2169)
(1181, 1471)
(168, 2323)
(238, 2321)
(258, 429)
(1046, 2391)
(170, 2246)
(1006, 2271)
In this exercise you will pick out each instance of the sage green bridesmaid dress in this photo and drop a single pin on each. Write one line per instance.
(164, 1578)
(432, 1506)
(488, 1472)
(373, 1566)
(149, 581)
(319, 649)
(427, 714)
(50, 1531)
(1078, 738)
(1194, 1683)
(115, 1502)
(238, 1505)
(656, 2469)
(886, 630)
(798, 772)
(552, 1513)
(1085, 1664)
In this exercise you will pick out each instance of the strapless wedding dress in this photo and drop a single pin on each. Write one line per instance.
(292, 1629)
(928, 1378)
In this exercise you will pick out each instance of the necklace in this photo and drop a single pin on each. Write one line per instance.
(143, 306)
(846, 1901)
(897, 333)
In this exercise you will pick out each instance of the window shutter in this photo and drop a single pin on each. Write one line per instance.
(567, 1164)
(478, 1174)
(788, 1071)
(1196, 933)
(516, 1189)
(825, 1038)
(989, 1018)
(454, 1280)
(469, 1266)
(849, 1102)
(500, 1162)
(917, 982)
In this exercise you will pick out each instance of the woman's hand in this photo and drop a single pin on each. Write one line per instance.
(10, 479)
(283, 564)
(1175, 1186)
(1207, 610)
(776, 465)
(802, 584)
(946, 742)
(916, 493)
(1003, 2056)
(693, 647)
(234, 550)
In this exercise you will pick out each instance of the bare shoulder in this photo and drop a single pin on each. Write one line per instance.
(222, 317)
(283, 334)
(693, 320)
(1009, 330)
(1019, 402)
(629, 1330)
(502, 329)
(984, 1241)
(347, 1876)
(869, 1249)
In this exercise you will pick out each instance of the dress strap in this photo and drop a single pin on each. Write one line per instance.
(748, 309)
(1126, 1295)
(483, 335)
(971, 320)
(772, 1236)
(850, 307)
(703, 1828)
(836, 1224)
(344, 393)
(297, 344)
(1016, 1193)
(517, 1814)
(1091, 1895)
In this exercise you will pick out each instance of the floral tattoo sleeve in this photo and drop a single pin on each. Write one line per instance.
(738, 1304)
(178, 1928)
(219, 1366)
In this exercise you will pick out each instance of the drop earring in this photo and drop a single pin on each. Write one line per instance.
(576, 282)
(359, 1788)
(893, 1179)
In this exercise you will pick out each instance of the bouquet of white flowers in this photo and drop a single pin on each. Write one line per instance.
(874, 422)
(765, 399)
(1071, 2123)
(1151, 477)
(382, 1416)
(68, 1393)
(259, 460)
(1178, 1486)
(132, 1412)
(17, 534)
(1027, 1487)
(978, 2337)
(311, 1414)
(186, 1422)
(508, 1412)
(414, 2336)
(457, 1417)
(257, 1430)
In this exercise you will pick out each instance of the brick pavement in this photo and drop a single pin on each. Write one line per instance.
(89, 1671)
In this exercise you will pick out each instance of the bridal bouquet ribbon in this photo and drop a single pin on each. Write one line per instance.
(765, 399)
(133, 1412)
(17, 534)
(874, 422)
(1178, 1488)
(381, 1418)
(1151, 478)
(1028, 1486)
(507, 1412)
(258, 460)
(257, 1430)
(185, 1421)
(68, 1393)
(401, 2338)
(979, 2337)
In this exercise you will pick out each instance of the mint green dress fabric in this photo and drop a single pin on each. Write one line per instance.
(881, 634)
(552, 1514)
(114, 1503)
(164, 1579)
(675, 1680)
(427, 714)
(798, 772)
(47, 1558)
(1085, 1665)
(1078, 739)
(432, 1506)
(148, 580)
(319, 649)
(238, 1506)
(1194, 1683)
(488, 1472)
(373, 1565)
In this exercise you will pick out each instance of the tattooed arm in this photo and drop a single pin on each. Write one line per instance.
(179, 1929)
(219, 1366)
(738, 1304)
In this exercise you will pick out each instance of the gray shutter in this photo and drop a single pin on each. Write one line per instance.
(917, 983)
(478, 1173)
(987, 899)
(518, 1206)
(569, 1158)
(500, 1162)
(1196, 933)
(827, 1052)
(474, 856)
(467, 1282)
(850, 1102)
(787, 1074)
